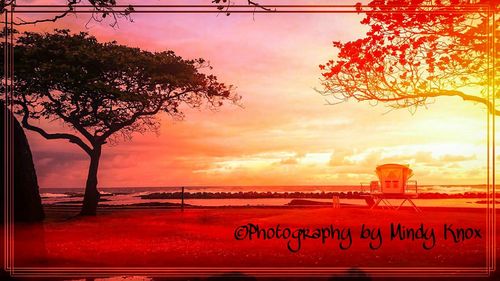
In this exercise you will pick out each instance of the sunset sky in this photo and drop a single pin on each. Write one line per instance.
(284, 134)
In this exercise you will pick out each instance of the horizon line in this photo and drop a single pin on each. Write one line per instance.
(209, 186)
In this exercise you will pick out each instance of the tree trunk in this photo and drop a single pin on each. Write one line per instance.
(91, 197)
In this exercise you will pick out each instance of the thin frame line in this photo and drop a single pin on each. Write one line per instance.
(254, 11)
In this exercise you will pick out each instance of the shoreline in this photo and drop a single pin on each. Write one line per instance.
(174, 195)
(104, 202)
(198, 207)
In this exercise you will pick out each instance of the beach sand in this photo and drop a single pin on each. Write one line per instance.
(204, 237)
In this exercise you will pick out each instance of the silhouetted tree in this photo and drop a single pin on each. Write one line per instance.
(104, 91)
(415, 51)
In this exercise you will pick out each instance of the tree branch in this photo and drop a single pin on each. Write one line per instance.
(467, 97)
(257, 5)
(135, 116)
(55, 18)
(71, 138)
(72, 120)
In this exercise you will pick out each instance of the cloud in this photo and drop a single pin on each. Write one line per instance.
(285, 134)
(457, 158)
(289, 161)
(340, 158)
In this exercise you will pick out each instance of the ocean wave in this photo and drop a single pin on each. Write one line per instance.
(53, 195)
(452, 189)
(105, 193)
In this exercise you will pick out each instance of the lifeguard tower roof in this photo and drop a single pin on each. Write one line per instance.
(394, 166)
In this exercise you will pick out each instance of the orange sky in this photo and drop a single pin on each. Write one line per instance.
(285, 134)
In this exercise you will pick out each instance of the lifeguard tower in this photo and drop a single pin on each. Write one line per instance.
(392, 183)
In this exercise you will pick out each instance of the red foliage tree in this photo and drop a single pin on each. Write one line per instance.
(417, 50)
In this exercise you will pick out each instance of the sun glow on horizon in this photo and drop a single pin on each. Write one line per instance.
(285, 134)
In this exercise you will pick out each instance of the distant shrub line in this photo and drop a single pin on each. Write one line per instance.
(318, 195)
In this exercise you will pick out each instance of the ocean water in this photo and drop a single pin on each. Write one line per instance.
(131, 195)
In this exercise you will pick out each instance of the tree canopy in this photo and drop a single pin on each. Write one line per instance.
(415, 51)
(105, 91)
(101, 89)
